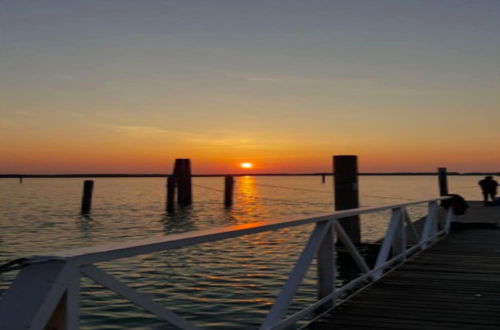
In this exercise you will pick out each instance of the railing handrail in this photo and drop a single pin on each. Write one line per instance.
(49, 281)
(88, 255)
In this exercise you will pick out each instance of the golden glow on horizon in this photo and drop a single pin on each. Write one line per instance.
(246, 165)
(224, 100)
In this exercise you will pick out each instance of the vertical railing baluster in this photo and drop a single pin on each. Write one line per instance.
(410, 226)
(399, 243)
(450, 215)
(435, 227)
(404, 236)
(73, 303)
(319, 239)
(429, 225)
(334, 261)
(326, 265)
(388, 241)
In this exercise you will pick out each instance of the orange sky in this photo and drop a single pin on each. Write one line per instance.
(129, 87)
(134, 155)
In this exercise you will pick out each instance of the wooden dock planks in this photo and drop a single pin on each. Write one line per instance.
(455, 284)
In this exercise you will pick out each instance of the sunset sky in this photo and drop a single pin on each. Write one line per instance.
(127, 86)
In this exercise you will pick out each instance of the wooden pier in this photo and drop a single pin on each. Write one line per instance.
(454, 284)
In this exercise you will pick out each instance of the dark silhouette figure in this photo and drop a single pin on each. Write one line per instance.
(489, 188)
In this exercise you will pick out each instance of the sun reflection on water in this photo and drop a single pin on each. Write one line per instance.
(246, 188)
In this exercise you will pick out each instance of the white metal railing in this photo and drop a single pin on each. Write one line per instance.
(47, 290)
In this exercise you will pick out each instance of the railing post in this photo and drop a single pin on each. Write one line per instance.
(326, 271)
(443, 181)
(47, 293)
(399, 243)
(66, 315)
(449, 219)
(410, 226)
(73, 303)
(388, 243)
(346, 193)
(430, 225)
(326, 266)
(57, 320)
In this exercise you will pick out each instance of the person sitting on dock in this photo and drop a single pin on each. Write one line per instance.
(489, 188)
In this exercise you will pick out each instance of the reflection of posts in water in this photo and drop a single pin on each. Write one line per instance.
(88, 187)
(20, 179)
(170, 193)
(346, 193)
(443, 181)
(85, 224)
(180, 220)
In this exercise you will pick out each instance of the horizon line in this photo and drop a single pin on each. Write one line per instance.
(114, 175)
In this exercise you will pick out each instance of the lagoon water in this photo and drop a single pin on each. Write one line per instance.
(229, 284)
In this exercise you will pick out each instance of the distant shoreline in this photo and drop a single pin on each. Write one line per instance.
(157, 175)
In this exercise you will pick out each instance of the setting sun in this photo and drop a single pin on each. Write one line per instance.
(246, 165)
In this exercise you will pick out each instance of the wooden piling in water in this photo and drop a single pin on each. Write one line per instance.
(170, 193)
(346, 193)
(443, 181)
(228, 190)
(323, 178)
(88, 187)
(182, 174)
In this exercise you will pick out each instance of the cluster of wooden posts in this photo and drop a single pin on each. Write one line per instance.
(346, 192)
(178, 185)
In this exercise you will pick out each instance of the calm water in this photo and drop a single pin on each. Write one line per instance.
(226, 284)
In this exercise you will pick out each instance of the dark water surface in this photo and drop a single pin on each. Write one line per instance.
(223, 285)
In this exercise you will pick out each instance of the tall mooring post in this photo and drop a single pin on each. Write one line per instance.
(346, 193)
(88, 188)
(182, 174)
(443, 181)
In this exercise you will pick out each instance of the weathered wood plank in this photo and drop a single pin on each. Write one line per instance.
(452, 285)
